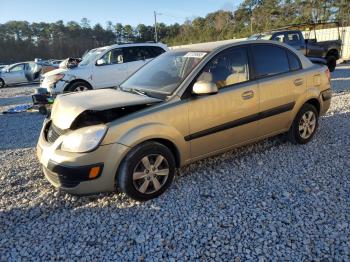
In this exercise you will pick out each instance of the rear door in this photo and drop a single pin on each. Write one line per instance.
(281, 81)
(112, 72)
(16, 75)
(229, 117)
(136, 57)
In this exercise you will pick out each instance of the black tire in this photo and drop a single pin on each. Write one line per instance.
(125, 181)
(2, 83)
(79, 85)
(331, 63)
(294, 134)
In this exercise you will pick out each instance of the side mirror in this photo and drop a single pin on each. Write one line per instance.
(204, 88)
(100, 62)
(120, 59)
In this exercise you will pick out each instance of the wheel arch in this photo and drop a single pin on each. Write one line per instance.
(172, 147)
(315, 103)
(75, 81)
(333, 52)
(165, 135)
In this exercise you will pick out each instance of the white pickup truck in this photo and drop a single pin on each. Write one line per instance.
(102, 68)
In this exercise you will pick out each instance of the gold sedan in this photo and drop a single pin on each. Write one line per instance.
(185, 105)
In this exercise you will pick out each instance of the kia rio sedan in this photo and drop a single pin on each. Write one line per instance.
(185, 105)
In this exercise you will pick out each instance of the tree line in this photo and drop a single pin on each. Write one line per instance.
(20, 40)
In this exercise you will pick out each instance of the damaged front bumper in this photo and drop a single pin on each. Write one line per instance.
(54, 88)
(78, 173)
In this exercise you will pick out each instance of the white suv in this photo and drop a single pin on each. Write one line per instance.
(102, 68)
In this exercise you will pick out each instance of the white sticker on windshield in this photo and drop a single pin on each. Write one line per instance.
(195, 54)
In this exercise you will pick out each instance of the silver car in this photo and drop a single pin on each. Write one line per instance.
(20, 73)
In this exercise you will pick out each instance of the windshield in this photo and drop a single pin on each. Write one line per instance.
(91, 56)
(165, 73)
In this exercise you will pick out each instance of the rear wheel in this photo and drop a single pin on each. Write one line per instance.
(331, 63)
(147, 171)
(2, 83)
(79, 87)
(304, 125)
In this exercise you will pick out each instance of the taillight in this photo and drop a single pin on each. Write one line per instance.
(328, 74)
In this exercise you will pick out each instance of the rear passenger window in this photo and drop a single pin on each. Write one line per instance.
(269, 60)
(137, 53)
(294, 62)
(293, 38)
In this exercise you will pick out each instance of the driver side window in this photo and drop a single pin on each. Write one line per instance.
(16, 68)
(228, 68)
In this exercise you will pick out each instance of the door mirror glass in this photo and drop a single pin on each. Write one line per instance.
(204, 88)
(100, 62)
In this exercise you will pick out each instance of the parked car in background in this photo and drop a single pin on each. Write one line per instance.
(48, 65)
(183, 106)
(102, 68)
(329, 50)
(20, 73)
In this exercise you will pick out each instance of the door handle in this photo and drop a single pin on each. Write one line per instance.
(248, 95)
(298, 82)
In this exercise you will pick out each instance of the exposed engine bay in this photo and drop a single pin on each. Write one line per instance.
(93, 117)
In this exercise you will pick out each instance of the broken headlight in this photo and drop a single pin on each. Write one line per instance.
(84, 140)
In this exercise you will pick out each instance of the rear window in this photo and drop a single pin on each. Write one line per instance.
(269, 60)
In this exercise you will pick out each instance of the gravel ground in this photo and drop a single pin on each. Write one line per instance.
(267, 201)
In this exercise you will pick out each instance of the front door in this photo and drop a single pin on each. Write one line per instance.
(112, 71)
(16, 75)
(135, 57)
(227, 118)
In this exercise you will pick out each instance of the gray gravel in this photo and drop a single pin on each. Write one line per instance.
(268, 201)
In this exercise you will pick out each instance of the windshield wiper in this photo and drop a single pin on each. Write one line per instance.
(138, 92)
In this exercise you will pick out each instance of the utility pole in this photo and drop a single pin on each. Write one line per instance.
(155, 26)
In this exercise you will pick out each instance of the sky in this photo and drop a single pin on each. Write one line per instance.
(130, 12)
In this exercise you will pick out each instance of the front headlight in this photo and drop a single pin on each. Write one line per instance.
(84, 140)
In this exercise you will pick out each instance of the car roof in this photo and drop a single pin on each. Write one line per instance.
(221, 45)
(134, 44)
(19, 63)
(213, 46)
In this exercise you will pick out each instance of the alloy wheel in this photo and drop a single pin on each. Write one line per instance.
(150, 174)
(307, 124)
(81, 89)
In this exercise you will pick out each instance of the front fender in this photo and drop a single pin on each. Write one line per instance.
(152, 131)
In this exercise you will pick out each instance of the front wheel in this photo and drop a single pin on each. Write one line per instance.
(146, 172)
(304, 125)
(79, 87)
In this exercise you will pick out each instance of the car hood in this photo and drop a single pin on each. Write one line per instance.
(68, 107)
(56, 72)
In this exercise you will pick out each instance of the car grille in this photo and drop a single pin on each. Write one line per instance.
(53, 133)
